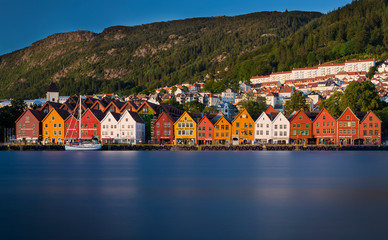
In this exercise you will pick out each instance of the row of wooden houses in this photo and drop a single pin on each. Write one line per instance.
(125, 122)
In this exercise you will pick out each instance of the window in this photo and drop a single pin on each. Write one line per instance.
(210, 128)
(324, 117)
(347, 117)
(250, 132)
(332, 124)
(267, 133)
(280, 126)
(376, 132)
(191, 125)
(293, 132)
(55, 133)
(324, 124)
(324, 131)
(33, 132)
(298, 125)
(370, 132)
(285, 126)
(95, 125)
(285, 133)
(216, 134)
(157, 132)
(59, 132)
(179, 125)
(275, 133)
(276, 126)
(353, 124)
(226, 127)
(370, 119)
(157, 124)
(340, 124)
(364, 125)
(45, 132)
(300, 117)
(52, 118)
(88, 117)
(55, 125)
(307, 125)
(294, 125)
(217, 127)
(237, 124)
(95, 132)
(27, 118)
(317, 131)
(250, 125)
(353, 131)
(245, 125)
(376, 125)
(370, 125)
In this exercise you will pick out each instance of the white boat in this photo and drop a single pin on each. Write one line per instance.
(82, 146)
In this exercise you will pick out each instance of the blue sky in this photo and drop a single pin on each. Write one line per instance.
(23, 22)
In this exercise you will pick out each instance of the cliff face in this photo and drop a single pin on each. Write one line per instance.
(128, 59)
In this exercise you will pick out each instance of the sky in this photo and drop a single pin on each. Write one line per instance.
(23, 22)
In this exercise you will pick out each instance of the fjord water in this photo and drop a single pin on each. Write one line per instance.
(193, 195)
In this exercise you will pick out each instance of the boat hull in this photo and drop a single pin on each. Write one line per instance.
(85, 147)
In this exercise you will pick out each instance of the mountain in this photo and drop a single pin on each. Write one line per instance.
(130, 59)
(356, 31)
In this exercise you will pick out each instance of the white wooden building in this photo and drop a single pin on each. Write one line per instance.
(132, 128)
(110, 131)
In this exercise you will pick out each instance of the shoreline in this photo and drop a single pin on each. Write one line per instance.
(154, 147)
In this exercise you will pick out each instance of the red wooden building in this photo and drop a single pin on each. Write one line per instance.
(325, 128)
(301, 127)
(205, 131)
(29, 126)
(71, 128)
(370, 128)
(164, 129)
(348, 128)
(91, 124)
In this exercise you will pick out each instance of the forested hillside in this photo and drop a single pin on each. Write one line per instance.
(130, 59)
(358, 30)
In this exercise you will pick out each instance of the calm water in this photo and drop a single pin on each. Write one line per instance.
(194, 195)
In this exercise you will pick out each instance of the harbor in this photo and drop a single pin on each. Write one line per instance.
(168, 147)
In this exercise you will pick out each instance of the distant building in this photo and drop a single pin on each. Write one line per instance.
(52, 94)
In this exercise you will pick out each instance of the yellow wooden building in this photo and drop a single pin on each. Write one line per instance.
(222, 131)
(185, 130)
(243, 128)
(53, 126)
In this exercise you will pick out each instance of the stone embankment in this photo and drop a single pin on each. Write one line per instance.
(155, 147)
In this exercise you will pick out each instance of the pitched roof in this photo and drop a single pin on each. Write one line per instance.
(38, 114)
(63, 113)
(272, 115)
(361, 115)
(270, 110)
(312, 115)
(136, 116)
(97, 113)
(53, 87)
(117, 116)
(52, 104)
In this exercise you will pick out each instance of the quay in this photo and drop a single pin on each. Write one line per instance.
(157, 147)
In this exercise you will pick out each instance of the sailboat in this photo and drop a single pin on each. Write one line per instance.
(81, 145)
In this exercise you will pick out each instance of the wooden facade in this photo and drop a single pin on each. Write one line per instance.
(243, 128)
(325, 128)
(348, 128)
(370, 129)
(164, 129)
(29, 126)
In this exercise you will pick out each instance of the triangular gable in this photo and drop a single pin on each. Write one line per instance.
(185, 114)
(62, 113)
(244, 111)
(278, 116)
(151, 106)
(321, 112)
(203, 119)
(222, 118)
(298, 113)
(17, 120)
(129, 104)
(346, 111)
(367, 115)
(263, 114)
(166, 115)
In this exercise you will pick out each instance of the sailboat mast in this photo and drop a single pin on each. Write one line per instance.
(79, 116)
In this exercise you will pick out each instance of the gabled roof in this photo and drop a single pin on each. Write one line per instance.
(52, 104)
(166, 115)
(62, 113)
(222, 118)
(321, 112)
(153, 106)
(129, 103)
(99, 115)
(270, 110)
(263, 114)
(361, 115)
(186, 113)
(272, 115)
(312, 115)
(366, 115)
(135, 116)
(39, 115)
(345, 111)
(240, 113)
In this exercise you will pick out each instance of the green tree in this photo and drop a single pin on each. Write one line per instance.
(194, 106)
(371, 72)
(332, 104)
(173, 89)
(174, 103)
(360, 97)
(297, 102)
(254, 106)
(184, 88)
(209, 109)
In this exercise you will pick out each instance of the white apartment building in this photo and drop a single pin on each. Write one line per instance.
(260, 79)
(132, 128)
(303, 73)
(280, 76)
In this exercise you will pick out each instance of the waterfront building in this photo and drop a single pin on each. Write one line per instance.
(132, 128)
(206, 130)
(109, 127)
(222, 131)
(325, 128)
(164, 129)
(91, 124)
(280, 129)
(301, 126)
(148, 112)
(348, 128)
(129, 105)
(243, 128)
(263, 128)
(370, 128)
(72, 127)
(185, 129)
(114, 106)
(53, 126)
(29, 126)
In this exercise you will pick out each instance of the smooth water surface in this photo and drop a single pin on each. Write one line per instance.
(193, 195)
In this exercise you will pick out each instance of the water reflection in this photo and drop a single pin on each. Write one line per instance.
(193, 195)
